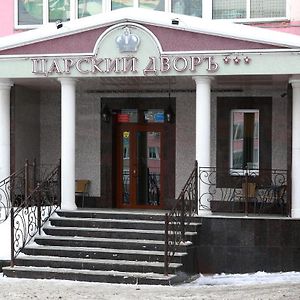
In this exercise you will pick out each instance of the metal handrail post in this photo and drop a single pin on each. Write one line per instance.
(12, 234)
(39, 212)
(26, 180)
(196, 187)
(247, 195)
(166, 258)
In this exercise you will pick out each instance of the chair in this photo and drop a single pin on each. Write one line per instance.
(251, 193)
(82, 189)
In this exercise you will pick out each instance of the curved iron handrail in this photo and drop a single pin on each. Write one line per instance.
(33, 211)
(8, 187)
(177, 220)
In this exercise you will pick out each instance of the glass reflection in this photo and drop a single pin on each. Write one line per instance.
(59, 10)
(245, 140)
(116, 4)
(30, 12)
(187, 7)
(126, 167)
(89, 7)
(152, 4)
(148, 159)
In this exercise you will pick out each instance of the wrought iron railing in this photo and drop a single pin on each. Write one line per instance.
(10, 187)
(31, 209)
(177, 220)
(153, 188)
(244, 191)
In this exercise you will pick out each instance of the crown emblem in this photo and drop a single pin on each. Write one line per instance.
(128, 42)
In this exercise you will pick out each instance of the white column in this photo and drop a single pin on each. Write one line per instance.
(295, 148)
(68, 106)
(203, 123)
(5, 86)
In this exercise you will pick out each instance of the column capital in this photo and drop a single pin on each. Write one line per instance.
(295, 81)
(67, 81)
(203, 79)
(6, 84)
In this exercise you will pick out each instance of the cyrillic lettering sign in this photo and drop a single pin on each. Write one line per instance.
(127, 64)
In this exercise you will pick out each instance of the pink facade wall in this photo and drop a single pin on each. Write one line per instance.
(287, 27)
(6, 17)
(84, 42)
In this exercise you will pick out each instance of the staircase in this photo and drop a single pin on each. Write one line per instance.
(112, 246)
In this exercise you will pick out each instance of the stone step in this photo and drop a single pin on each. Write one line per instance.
(105, 246)
(115, 214)
(109, 233)
(95, 264)
(133, 244)
(121, 214)
(91, 275)
(112, 223)
(101, 253)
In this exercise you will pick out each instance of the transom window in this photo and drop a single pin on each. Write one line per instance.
(32, 13)
(245, 139)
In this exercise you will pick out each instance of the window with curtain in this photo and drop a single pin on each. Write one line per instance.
(242, 9)
(187, 7)
(59, 10)
(30, 12)
(152, 4)
(268, 8)
(231, 9)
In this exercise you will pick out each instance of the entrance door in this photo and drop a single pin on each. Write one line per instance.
(139, 165)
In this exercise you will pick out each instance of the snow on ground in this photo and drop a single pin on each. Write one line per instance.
(236, 286)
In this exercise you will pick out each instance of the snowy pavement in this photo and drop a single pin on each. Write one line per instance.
(238, 286)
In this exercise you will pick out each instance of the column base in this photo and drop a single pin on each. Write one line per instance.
(69, 207)
(295, 213)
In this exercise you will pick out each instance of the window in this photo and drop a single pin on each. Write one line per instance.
(154, 4)
(245, 139)
(59, 10)
(116, 4)
(89, 7)
(30, 12)
(234, 9)
(268, 8)
(244, 135)
(153, 152)
(187, 7)
(248, 9)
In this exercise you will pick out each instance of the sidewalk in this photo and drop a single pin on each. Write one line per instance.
(226, 287)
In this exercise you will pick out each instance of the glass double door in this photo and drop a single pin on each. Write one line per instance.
(139, 165)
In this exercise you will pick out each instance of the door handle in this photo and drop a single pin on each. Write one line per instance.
(134, 172)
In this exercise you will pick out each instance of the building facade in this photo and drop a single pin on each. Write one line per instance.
(130, 100)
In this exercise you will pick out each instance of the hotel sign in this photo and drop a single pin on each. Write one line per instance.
(123, 65)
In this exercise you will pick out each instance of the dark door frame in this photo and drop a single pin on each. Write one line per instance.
(108, 163)
(133, 163)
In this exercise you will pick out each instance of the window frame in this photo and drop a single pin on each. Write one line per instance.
(240, 171)
(207, 12)
(248, 18)
(223, 135)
